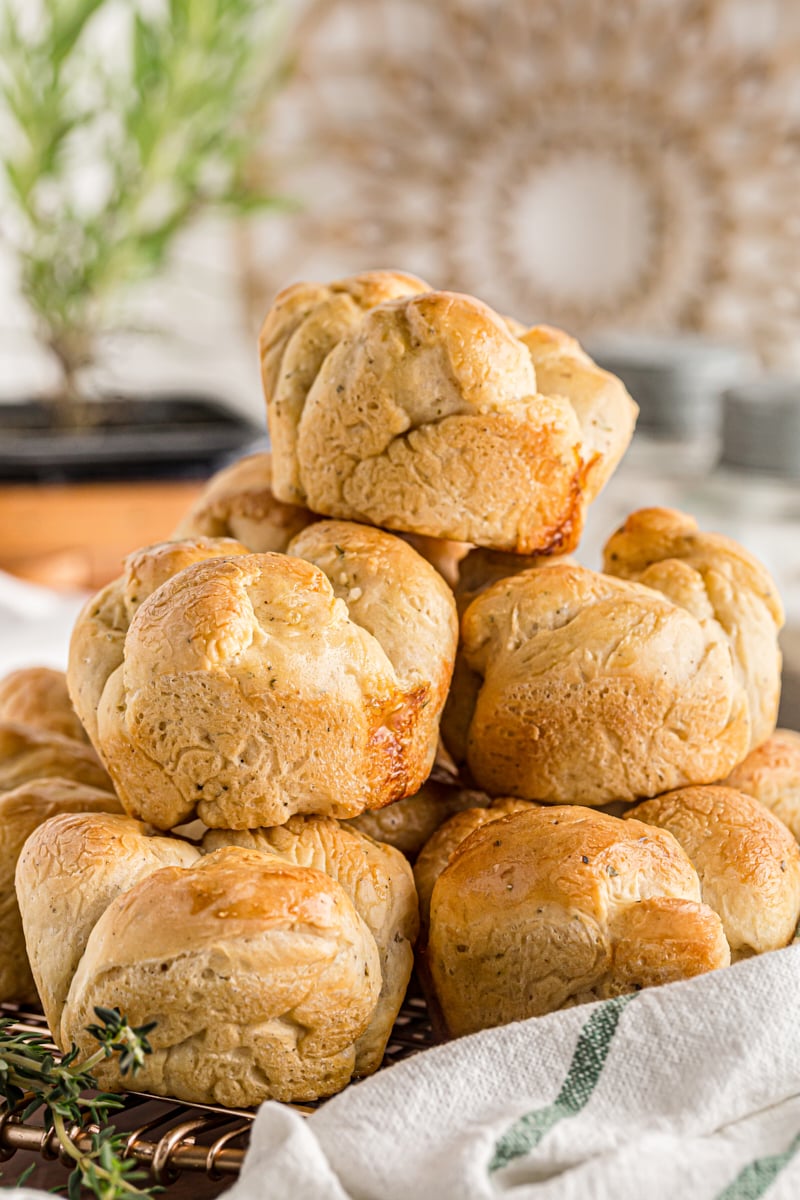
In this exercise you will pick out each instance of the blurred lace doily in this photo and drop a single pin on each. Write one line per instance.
(597, 163)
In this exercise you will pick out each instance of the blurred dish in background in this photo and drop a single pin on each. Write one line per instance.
(678, 382)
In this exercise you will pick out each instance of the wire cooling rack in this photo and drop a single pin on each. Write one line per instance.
(168, 1137)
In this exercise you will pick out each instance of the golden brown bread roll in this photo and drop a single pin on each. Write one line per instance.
(747, 860)
(27, 753)
(440, 847)
(715, 579)
(282, 953)
(771, 773)
(408, 824)
(261, 974)
(96, 646)
(257, 686)
(21, 812)
(586, 689)
(378, 881)
(422, 414)
(558, 906)
(70, 869)
(238, 502)
(38, 696)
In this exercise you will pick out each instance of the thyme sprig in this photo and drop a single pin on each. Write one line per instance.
(31, 1077)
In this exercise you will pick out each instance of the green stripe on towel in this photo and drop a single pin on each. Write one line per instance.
(754, 1179)
(591, 1052)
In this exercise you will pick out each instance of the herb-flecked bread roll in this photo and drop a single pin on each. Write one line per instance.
(747, 860)
(256, 686)
(558, 906)
(98, 638)
(273, 964)
(380, 884)
(70, 869)
(586, 689)
(714, 578)
(27, 753)
(38, 696)
(21, 812)
(424, 414)
(771, 773)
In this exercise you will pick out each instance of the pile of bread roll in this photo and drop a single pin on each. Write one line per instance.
(371, 648)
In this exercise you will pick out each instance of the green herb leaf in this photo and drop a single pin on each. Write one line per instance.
(32, 1077)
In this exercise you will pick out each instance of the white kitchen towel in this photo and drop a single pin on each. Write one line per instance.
(685, 1092)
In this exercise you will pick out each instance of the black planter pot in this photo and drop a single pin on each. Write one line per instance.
(170, 436)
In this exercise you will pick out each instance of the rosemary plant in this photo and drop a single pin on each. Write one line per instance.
(121, 120)
(32, 1078)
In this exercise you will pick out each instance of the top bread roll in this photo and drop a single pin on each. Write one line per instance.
(421, 411)
(38, 696)
(713, 578)
(254, 686)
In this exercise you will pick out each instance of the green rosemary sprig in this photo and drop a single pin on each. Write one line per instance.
(31, 1077)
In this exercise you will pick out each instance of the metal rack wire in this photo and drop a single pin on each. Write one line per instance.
(168, 1137)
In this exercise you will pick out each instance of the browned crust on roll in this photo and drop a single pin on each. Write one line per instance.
(322, 672)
